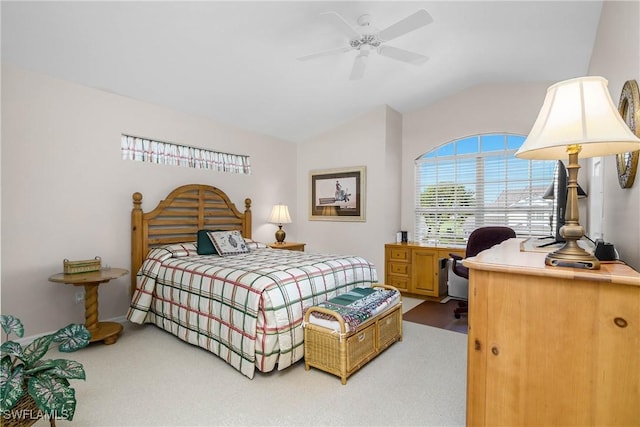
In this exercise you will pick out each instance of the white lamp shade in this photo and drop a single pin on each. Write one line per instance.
(578, 111)
(280, 215)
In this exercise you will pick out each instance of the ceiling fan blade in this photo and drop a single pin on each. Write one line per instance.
(402, 55)
(406, 25)
(343, 25)
(325, 53)
(357, 72)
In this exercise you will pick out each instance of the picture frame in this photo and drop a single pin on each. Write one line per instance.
(337, 194)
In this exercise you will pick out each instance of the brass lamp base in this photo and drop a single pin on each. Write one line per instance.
(280, 234)
(572, 255)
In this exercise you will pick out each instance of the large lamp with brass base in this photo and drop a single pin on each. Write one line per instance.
(577, 117)
(280, 215)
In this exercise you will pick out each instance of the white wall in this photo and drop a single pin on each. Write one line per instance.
(372, 140)
(66, 191)
(616, 57)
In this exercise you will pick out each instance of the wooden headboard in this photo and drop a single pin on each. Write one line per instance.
(178, 218)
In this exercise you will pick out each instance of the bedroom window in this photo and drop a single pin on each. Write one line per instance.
(168, 153)
(477, 181)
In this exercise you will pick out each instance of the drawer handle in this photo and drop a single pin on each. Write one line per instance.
(495, 350)
(361, 337)
(620, 322)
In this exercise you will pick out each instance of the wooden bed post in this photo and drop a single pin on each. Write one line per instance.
(246, 224)
(201, 205)
(136, 239)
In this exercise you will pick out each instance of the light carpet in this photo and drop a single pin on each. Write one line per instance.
(150, 378)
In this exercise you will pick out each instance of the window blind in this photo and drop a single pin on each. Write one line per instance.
(477, 181)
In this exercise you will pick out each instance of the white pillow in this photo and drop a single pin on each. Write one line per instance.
(228, 242)
(252, 244)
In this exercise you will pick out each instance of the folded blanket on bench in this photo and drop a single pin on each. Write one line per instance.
(356, 306)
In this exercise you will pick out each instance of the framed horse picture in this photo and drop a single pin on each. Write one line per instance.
(337, 194)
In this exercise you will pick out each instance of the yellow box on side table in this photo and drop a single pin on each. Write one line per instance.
(342, 353)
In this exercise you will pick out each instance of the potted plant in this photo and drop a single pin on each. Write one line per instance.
(24, 373)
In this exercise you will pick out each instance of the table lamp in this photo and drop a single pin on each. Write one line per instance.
(577, 117)
(280, 215)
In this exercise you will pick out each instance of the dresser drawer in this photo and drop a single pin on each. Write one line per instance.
(399, 268)
(399, 254)
(400, 282)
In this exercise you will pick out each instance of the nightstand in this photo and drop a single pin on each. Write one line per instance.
(290, 246)
(100, 331)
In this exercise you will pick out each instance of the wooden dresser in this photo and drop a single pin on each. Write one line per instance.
(414, 269)
(551, 345)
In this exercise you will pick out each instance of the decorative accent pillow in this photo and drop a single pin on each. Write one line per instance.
(228, 242)
(252, 244)
(205, 245)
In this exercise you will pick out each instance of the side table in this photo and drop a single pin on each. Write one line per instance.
(291, 246)
(100, 331)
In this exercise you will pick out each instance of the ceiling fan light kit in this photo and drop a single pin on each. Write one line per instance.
(367, 37)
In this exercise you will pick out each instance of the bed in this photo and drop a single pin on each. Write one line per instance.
(246, 308)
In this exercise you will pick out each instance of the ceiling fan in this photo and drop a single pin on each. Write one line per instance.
(366, 37)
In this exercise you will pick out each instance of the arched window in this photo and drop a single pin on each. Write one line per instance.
(477, 181)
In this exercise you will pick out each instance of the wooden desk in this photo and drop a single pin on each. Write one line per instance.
(100, 331)
(551, 345)
(414, 268)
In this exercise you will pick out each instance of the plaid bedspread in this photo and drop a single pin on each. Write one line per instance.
(247, 308)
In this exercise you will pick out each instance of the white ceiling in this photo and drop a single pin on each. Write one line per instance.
(235, 62)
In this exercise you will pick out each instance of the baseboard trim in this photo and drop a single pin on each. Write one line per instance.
(24, 341)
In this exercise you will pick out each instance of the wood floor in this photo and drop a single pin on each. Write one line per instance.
(438, 315)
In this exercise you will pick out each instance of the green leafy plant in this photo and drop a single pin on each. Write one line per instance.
(47, 381)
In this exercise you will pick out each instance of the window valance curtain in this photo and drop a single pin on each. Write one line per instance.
(168, 153)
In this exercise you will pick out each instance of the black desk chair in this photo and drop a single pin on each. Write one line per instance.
(480, 239)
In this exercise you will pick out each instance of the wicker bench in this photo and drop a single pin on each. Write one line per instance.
(342, 353)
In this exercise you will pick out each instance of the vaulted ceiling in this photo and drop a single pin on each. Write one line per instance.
(236, 62)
